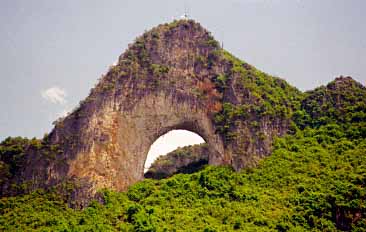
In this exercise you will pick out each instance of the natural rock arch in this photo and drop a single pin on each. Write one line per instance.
(175, 76)
(116, 155)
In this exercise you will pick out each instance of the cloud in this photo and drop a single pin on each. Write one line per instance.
(54, 95)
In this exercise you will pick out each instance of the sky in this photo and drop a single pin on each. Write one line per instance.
(169, 142)
(53, 52)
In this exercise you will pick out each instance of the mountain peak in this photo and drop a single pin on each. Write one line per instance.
(185, 34)
(342, 82)
(181, 24)
(174, 76)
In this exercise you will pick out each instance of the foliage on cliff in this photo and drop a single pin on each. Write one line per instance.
(14, 152)
(262, 97)
(314, 180)
(232, 89)
(12, 158)
(342, 101)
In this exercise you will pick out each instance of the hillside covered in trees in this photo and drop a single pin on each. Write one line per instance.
(314, 178)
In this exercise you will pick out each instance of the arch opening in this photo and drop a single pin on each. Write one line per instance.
(174, 151)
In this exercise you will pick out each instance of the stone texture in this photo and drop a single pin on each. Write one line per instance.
(167, 79)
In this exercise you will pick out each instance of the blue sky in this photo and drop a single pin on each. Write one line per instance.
(53, 52)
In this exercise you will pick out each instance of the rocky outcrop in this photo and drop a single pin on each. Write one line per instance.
(341, 101)
(187, 159)
(174, 76)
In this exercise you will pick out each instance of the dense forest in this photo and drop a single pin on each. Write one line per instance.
(314, 180)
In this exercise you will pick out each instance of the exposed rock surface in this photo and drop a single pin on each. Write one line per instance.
(175, 76)
(187, 159)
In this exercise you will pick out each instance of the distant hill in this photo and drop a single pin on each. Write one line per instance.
(186, 159)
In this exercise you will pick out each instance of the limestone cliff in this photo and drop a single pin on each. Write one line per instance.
(175, 76)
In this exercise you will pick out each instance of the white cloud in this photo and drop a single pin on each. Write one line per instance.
(55, 95)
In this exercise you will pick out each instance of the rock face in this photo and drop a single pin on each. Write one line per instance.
(175, 76)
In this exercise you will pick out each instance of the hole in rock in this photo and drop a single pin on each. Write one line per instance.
(188, 147)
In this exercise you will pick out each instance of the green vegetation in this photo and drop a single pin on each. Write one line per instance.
(13, 154)
(186, 159)
(159, 70)
(227, 117)
(212, 43)
(263, 96)
(342, 101)
(314, 180)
